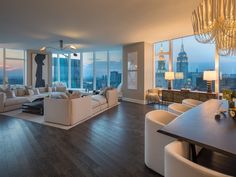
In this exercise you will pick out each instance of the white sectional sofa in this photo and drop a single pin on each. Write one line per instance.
(21, 97)
(72, 111)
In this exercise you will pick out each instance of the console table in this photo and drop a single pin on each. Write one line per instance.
(178, 95)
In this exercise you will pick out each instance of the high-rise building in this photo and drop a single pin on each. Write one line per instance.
(161, 69)
(182, 66)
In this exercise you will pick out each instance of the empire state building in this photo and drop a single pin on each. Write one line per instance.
(182, 66)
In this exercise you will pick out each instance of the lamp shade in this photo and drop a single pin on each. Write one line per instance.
(209, 75)
(179, 75)
(169, 75)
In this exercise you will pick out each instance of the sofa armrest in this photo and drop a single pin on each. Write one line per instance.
(80, 109)
(3, 98)
(57, 111)
(112, 97)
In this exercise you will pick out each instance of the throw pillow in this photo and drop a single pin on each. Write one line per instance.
(10, 94)
(104, 91)
(20, 92)
(36, 91)
(49, 89)
(64, 96)
(74, 95)
(60, 89)
(27, 89)
(30, 92)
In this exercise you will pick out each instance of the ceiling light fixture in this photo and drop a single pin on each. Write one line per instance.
(62, 48)
(214, 21)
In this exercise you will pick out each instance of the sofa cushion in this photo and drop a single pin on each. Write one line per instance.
(101, 99)
(43, 89)
(95, 104)
(10, 94)
(16, 101)
(60, 89)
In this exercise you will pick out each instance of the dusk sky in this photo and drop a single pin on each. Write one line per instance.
(200, 56)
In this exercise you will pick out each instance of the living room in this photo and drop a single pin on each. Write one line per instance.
(118, 88)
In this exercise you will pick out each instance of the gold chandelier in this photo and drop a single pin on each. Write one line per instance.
(214, 21)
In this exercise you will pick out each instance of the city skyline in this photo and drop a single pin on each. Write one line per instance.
(201, 56)
(191, 79)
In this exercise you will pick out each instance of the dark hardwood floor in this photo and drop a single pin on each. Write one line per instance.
(109, 145)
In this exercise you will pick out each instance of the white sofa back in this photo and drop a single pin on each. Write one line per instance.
(67, 111)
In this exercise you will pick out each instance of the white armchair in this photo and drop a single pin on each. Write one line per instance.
(154, 141)
(191, 102)
(177, 108)
(177, 163)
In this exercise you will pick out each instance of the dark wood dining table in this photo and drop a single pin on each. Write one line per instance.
(198, 126)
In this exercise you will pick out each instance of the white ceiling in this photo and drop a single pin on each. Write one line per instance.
(32, 24)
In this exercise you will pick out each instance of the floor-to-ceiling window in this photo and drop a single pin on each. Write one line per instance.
(101, 69)
(191, 59)
(12, 66)
(227, 72)
(115, 65)
(1, 66)
(88, 70)
(55, 68)
(75, 71)
(161, 63)
(64, 69)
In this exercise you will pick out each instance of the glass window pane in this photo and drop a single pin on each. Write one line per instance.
(115, 57)
(64, 70)
(55, 65)
(1, 66)
(75, 71)
(13, 53)
(101, 69)
(192, 58)
(15, 72)
(88, 70)
(161, 63)
(228, 72)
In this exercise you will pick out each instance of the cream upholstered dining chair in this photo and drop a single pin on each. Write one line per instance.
(177, 163)
(178, 108)
(191, 102)
(155, 142)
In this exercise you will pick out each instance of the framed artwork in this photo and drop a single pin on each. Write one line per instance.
(40, 66)
(132, 71)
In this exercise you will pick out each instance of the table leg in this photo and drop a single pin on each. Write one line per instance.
(193, 152)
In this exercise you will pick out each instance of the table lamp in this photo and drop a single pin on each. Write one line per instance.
(169, 76)
(179, 75)
(209, 76)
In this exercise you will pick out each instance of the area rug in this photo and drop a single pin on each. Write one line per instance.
(40, 119)
(35, 118)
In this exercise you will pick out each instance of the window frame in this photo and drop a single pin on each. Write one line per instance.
(108, 68)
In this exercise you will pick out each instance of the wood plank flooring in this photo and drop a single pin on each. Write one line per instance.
(109, 145)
